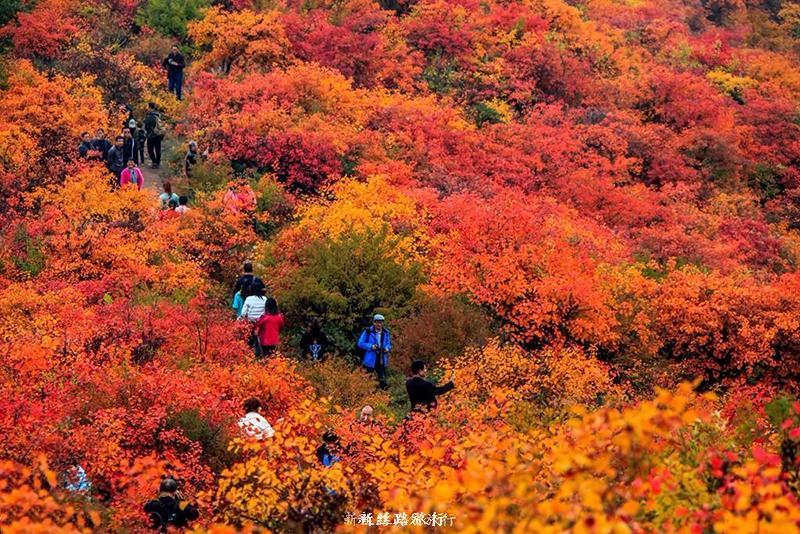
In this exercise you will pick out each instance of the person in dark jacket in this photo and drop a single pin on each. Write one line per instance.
(116, 157)
(153, 130)
(190, 160)
(244, 282)
(101, 144)
(314, 342)
(329, 452)
(86, 146)
(141, 139)
(168, 510)
(422, 393)
(376, 342)
(174, 63)
(129, 146)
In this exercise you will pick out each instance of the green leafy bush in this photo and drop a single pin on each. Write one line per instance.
(344, 281)
(170, 17)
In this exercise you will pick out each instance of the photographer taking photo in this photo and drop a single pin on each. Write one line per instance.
(168, 509)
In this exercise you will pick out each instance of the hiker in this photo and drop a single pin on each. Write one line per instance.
(141, 140)
(268, 328)
(129, 146)
(255, 303)
(376, 342)
(129, 122)
(170, 212)
(168, 509)
(314, 342)
(241, 290)
(86, 146)
(239, 197)
(190, 160)
(182, 208)
(366, 415)
(167, 195)
(76, 480)
(328, 453)
(245, 279)
(116, 157)
(253, 424)
(101, 145)
(174, 63)
(132, 175)
(154, 133)
(422, 393)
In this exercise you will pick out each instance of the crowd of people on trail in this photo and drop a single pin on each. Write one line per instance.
(169, 509)
(128, 149)
(250, 302)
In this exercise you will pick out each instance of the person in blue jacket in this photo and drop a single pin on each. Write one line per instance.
(376, 342)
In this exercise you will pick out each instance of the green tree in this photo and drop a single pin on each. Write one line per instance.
(170, 17)
(344, 281)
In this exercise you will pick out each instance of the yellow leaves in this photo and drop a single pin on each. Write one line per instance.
(730, 84)
(239, 39)
(368, 206)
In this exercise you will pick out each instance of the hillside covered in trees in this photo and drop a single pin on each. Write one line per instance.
(587, 212)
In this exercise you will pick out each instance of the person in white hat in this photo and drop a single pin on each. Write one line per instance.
(376, 342)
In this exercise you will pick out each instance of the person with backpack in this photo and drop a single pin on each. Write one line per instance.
(174, 63)
(168, 509)
(268, 328)
(167, 195)
(132, 175)
(376, 342)
(154, 133)
(116, 157)
(190, 159)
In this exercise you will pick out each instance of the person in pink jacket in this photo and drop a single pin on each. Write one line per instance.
(131, 175)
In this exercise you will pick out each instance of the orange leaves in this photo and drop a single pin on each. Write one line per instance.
(240, 40)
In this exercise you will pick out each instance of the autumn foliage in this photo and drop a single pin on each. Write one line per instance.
(587, 212)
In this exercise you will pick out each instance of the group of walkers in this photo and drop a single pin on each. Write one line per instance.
(251, 304)
(126, 153)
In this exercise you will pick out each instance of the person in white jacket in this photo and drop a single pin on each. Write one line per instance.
(254, 304)
(253, 424)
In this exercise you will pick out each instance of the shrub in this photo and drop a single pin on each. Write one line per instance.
(441, 326)
(170, 17)
(345, 385)
(345, 281)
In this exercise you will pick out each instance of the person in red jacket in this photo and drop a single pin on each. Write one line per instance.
(268, 328)
(132, 175)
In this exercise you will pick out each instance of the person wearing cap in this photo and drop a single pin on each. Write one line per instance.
(376, 342)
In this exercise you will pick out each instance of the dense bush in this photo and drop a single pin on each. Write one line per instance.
(344, 281)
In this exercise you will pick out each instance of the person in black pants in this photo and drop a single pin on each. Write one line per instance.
(154, 132)
(422, 393)
(174, 63)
